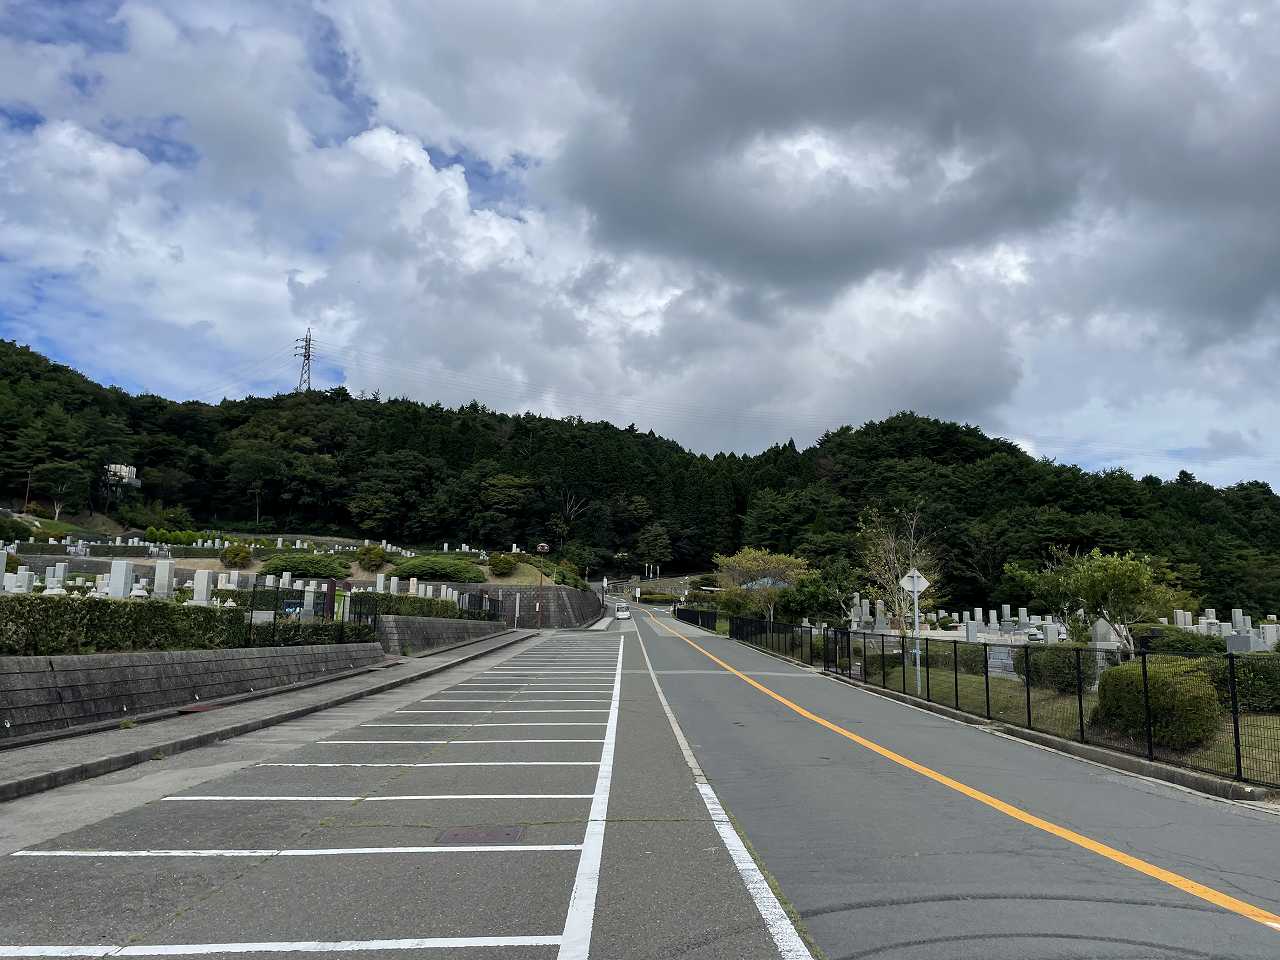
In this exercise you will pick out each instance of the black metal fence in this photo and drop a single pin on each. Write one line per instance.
(1219, 713)
(706, 619)
(788, 639)
(281, 616)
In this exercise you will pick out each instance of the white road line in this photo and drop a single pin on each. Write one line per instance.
(536, 710)
(576, 942)
(314, 852)
(538, 723)
(455, 763)
(274, 946)
(547, 700)
(425, 796)
(455, 742)
(790, 945)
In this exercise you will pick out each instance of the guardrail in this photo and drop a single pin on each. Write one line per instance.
(1218, 713)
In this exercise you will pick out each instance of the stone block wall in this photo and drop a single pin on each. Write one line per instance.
(407, 636)
(53, 693)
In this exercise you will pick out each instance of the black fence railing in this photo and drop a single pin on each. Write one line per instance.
(788, 639)
(706, 619)
(479, 606)
(281, 616)
(1218, 713)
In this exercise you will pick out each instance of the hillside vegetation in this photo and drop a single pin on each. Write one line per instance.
(331, 462)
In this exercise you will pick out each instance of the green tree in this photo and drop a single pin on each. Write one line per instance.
(66, 484)
(760, 573)
(653, 545)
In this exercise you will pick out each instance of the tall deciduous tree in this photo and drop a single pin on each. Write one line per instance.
(66, 484)
(892, 545)
(761, 573)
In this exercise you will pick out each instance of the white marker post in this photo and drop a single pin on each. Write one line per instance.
(915, 583)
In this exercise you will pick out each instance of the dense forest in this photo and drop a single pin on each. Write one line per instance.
(330, 462)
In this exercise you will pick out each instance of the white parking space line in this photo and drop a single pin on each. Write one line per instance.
(424, 796)
(304, 852)
(451, 763)
(275, 946)
(548, 700)
(535, 710)
(455, 742)
(576, 942)
(514, 723)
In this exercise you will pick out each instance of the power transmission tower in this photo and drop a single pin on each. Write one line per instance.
(303, 350)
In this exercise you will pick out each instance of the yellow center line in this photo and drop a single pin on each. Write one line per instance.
(1264, 917)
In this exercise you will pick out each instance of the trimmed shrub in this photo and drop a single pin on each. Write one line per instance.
(1165, 638)
(402, 605)
(320, 566)
(192, 553)
(39, 549)
(658, 598)
(502, 564)
(1053, 665)
(112, 550)
(371, 558)
(1257, 681)
(11, 563)
(236, 556)
(12, 530)
(1184, 704)
(444, 569)
(35, 625)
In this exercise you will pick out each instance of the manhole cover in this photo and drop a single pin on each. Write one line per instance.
(482, 835)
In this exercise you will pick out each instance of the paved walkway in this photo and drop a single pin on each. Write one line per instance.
(535, 804)
(27, 769)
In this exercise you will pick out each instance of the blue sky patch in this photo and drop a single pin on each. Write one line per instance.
(88, 23)
(20, 117)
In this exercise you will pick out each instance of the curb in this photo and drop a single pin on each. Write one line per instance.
(1152, 769)
(12, 789)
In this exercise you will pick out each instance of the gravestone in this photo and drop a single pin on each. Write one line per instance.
(1005, 613)
(395, 585)
(164, 579)
(380, 584)
(121, 582)
(203, 588)
(286, 580)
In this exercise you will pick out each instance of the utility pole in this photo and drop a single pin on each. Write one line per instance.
(302, 349)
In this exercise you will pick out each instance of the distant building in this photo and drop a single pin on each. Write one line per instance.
(124, 474)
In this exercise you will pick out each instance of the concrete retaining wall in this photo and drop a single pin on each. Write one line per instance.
(406, 636)
(55, 693)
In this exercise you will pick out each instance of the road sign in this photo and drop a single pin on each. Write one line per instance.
(544, 548)
(914, 582)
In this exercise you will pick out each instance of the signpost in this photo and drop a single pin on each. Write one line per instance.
(915, 584)
(544, 549)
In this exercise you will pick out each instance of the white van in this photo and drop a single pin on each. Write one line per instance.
(622, 612)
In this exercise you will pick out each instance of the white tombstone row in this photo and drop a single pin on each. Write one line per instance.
(121, 582)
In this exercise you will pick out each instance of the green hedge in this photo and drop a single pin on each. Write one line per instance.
(371, 558)
(502, 564)
(440, 568)
(1166, 638)
(33, 625)
(42, 549)
(118, 552)
(1053, 665)
(11, 530)
(1184, 704)
(1257, 681)
(236, 556)
(194, 553)
(318, 566)
(658, 598)
(403, 605)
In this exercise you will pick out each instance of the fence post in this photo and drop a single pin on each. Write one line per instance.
(1080, 690)
(986, 677)
(928, 688)
(955, 672)
(1146, 705)
(902, 655)
(1026, 669)
(253, 602)
(275, 612)
(1235, 712)
(884, 675)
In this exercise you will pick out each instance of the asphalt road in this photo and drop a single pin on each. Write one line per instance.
(879, 860)
(540, 803)
(535, 804)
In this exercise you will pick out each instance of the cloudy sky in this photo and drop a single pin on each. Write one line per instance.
(732, 222)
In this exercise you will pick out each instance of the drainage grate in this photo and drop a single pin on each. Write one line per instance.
(470, 835)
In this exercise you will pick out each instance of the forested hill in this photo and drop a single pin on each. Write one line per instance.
(327, 461)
